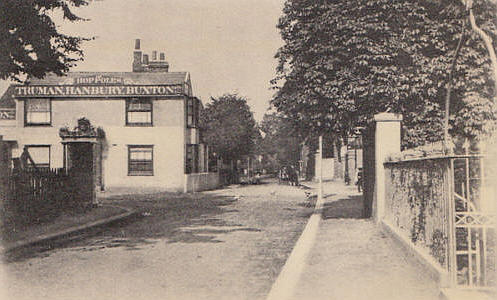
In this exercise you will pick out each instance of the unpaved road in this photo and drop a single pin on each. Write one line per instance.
(226, 244)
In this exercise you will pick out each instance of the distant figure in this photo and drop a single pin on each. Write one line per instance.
(283, 176)
(257, 179)
(24, 158)
(26, 162)
(359, 179)
(293, 177)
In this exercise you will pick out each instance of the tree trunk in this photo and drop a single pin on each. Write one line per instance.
(486, 39)
(449, 89)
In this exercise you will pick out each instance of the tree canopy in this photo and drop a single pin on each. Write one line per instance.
(228, 127)
(31, 43)
(280, 139)
(344, 61)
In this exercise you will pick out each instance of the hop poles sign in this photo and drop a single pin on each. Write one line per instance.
(98, 80)
(98, 90)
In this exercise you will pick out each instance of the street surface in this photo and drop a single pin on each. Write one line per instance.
(225, 244)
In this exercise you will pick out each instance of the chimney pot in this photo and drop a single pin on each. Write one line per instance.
(154, 55)
(137, 57)
(145, 59)
(162, 56)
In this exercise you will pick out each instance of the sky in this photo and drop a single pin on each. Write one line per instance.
(226, 45)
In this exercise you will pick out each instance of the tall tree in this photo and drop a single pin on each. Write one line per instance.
(228, 127)
(281, 139)
(31, 44)
(344, 61)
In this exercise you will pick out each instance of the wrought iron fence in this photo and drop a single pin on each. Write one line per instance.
(442, 205)
(473, 224)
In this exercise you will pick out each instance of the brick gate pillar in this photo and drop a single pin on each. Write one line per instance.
(387, 141)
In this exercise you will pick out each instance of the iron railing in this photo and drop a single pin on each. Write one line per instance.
(473, 224)
(443, 205)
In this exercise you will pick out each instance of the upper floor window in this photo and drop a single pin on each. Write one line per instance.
(139, 112)
(192, 112)
(37, 112)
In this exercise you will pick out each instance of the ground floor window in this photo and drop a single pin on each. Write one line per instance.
(192, 162)
(140, 160)
(40, 154)
(212, 162)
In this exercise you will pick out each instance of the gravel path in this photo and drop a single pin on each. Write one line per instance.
(227, 244)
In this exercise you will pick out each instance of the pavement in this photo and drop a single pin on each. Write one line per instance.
(65, 226)
(343, 256)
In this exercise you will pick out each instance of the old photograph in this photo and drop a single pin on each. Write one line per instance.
(248, 149)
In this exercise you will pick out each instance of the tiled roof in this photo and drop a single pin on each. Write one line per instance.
(136, 77)
(7, 101)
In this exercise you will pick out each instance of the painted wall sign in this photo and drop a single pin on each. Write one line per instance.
(97, 91)
(7, 114)
(98, 80)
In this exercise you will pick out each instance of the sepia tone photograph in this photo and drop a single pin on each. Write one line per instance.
(248, 149)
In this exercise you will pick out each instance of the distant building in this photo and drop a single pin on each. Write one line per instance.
(142, 130)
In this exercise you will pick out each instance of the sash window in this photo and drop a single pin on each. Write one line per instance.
(140, 160)
(40, 155)
(139, 112)
(38, 112)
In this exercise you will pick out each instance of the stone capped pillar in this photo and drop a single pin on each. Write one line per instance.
(387, 141)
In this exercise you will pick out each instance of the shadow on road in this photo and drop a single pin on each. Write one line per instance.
(190, 218)
(348, 208)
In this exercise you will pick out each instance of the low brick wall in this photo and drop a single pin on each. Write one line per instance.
(201, 182)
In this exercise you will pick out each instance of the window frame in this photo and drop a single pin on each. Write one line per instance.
(41, 166)
(127, 111)
(137, 172)
(26, 123)
(193, 166)
(192, 111)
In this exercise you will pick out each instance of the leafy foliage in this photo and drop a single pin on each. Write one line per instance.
(228, 127)
(344, 61)
(280, 139)
(31, 43)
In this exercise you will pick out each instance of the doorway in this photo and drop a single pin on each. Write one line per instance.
(80, 167)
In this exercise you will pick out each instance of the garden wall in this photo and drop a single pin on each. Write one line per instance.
(201, 182)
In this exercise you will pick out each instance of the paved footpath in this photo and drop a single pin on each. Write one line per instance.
(351, 258)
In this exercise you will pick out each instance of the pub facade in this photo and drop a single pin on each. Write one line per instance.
(132, 130)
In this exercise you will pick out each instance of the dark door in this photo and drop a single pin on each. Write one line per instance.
(81, 172)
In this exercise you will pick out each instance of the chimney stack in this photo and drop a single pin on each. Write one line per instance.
(144, 63)
(137, 57)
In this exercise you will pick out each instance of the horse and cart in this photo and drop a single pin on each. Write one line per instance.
(288, 175)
